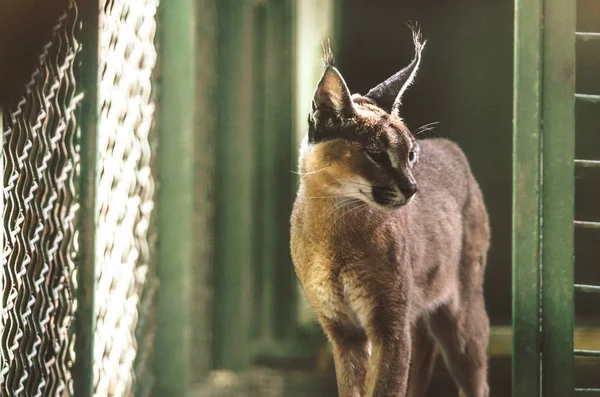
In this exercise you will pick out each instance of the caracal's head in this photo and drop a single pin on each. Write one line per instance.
(358, 146)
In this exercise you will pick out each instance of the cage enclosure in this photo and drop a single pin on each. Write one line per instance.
(149, 168)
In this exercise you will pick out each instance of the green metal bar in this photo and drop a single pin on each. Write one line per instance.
(586, 36)
(587, 288)
(274, 137)
(175, 197)
(279, 135)
(588, 163)
(204, 201)
(587, 225)
(264, 206)
(588, 98)
(580, 392)
(526, 199)
(558, 110)
(587, 353)
(234, 188)
(85, 316)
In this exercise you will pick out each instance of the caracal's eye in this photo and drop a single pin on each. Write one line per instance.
(377, 156)
(412, 156)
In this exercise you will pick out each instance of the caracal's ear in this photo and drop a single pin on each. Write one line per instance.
(388, 95)
(332, 102)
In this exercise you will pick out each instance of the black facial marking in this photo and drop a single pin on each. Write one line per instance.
(383, 195)
(379, 156)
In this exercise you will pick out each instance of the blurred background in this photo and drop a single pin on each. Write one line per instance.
(149, 151)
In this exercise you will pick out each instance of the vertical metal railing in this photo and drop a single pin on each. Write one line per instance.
(273, 109)
(176, 258)
(558, 197)
(255, 277)
(527, 125)
(206, 86)
(587, 224)
(234, 240)
(543, 204)
(278, 110)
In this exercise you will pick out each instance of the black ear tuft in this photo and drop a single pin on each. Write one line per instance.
(388, 95)
(328, 59)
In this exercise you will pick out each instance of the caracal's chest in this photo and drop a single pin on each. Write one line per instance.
(332, 281)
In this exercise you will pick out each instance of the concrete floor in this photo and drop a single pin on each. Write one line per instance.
(290, 382)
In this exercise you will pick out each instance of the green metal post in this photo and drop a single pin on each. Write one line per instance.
(204, 201)
(235, 163)
(527, 126)
(279, 136)
(558, 109)
(176, 127)
(85, 317)
(273, 136)
(262, 327)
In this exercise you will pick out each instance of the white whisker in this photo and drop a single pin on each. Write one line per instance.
(357, 183)
(362, 207)
(325, 197)
(347, 212)
(426, 127)
(340, 205)
(305, 174)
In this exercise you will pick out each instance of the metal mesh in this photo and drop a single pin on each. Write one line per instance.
(125, 193)
(38, 273)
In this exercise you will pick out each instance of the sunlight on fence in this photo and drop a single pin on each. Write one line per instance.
(125, 192)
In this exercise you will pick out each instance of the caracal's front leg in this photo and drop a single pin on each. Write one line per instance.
(390, 336)
(351, 356)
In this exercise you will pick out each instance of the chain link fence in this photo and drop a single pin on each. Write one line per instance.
(125, 271)
(41, 160)
(41, 172)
